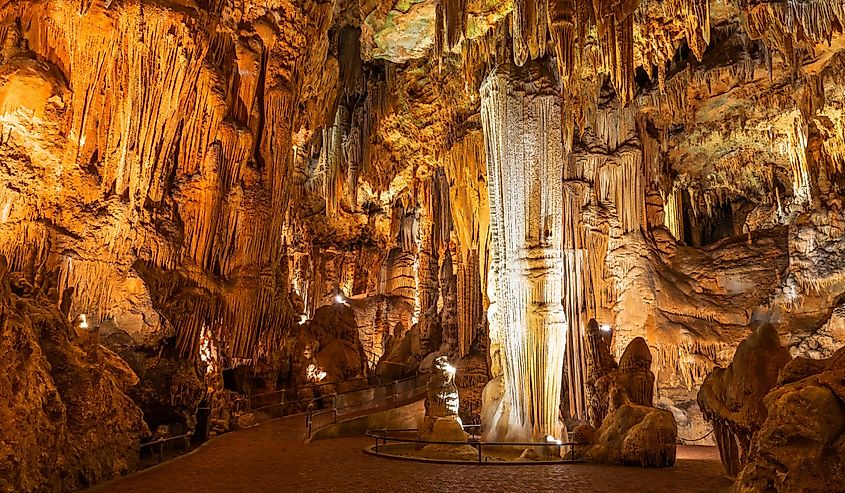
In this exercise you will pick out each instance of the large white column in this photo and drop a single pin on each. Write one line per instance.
(520, 113)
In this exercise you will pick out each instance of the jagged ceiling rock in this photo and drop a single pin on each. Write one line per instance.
(405, 32)
(407, 29)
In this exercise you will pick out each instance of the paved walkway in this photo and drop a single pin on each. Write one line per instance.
(273, 458)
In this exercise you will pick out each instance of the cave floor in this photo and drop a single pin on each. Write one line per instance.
(273, 457)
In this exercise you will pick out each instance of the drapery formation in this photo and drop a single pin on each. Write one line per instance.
(520, 114)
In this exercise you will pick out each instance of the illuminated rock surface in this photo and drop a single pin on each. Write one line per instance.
(67, 421)
(255, 195)
(631, 430)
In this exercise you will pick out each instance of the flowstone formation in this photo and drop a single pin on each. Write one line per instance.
(67, 420)
(520, 114)
(632, 430)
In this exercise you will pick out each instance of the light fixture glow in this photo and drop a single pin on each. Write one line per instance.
(314, 374)
(605, 328)
(83, 321)
(339, 298)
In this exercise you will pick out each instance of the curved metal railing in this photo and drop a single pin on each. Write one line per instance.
(162, 440)
(382, 437)
(276, 398)
(355, 401)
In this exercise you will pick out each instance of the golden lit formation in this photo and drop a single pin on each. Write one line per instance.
(533, 231)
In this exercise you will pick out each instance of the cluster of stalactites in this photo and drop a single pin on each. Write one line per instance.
(450, 24)
(345, 152)
(791, 27)
(590, 37)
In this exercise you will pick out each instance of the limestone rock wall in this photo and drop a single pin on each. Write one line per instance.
(67, 419)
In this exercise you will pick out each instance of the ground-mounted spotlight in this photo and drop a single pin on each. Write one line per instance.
(551, 439)
(83, 321)
(339, 298)
(605, 328)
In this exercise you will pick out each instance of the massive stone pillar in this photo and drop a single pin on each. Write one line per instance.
(520, 112)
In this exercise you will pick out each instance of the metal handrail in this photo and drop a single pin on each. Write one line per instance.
(161, 441)
(248, 399)
(393, 399)
(478, 444)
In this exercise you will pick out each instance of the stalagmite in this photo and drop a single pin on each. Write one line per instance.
(521, 121)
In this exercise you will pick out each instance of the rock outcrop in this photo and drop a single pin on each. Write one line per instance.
(801, 444)
(732, 398)
(67, 421)
(632, 431)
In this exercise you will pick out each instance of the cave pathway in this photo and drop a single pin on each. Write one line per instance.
(273, 457)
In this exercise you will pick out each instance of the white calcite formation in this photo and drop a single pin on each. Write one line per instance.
(520, 113)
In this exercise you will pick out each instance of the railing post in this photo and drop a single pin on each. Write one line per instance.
(160, 450)
(395, 393)
(207, 426)
(308, 418)
(479, 451)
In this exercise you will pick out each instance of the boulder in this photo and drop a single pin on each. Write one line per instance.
(732, 398)
(801, 444)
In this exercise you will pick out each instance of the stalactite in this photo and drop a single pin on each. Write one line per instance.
(528, 28)
(789, 26)
(562, 28)
(470, 303)
(450, 24)
(464, 166)
(334, 160)
(673, 213)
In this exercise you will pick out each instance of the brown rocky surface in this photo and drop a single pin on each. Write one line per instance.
(801, 444)
(631, 430)
(254, 195)
(732, 398)
(779, 422)
(67, 419)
